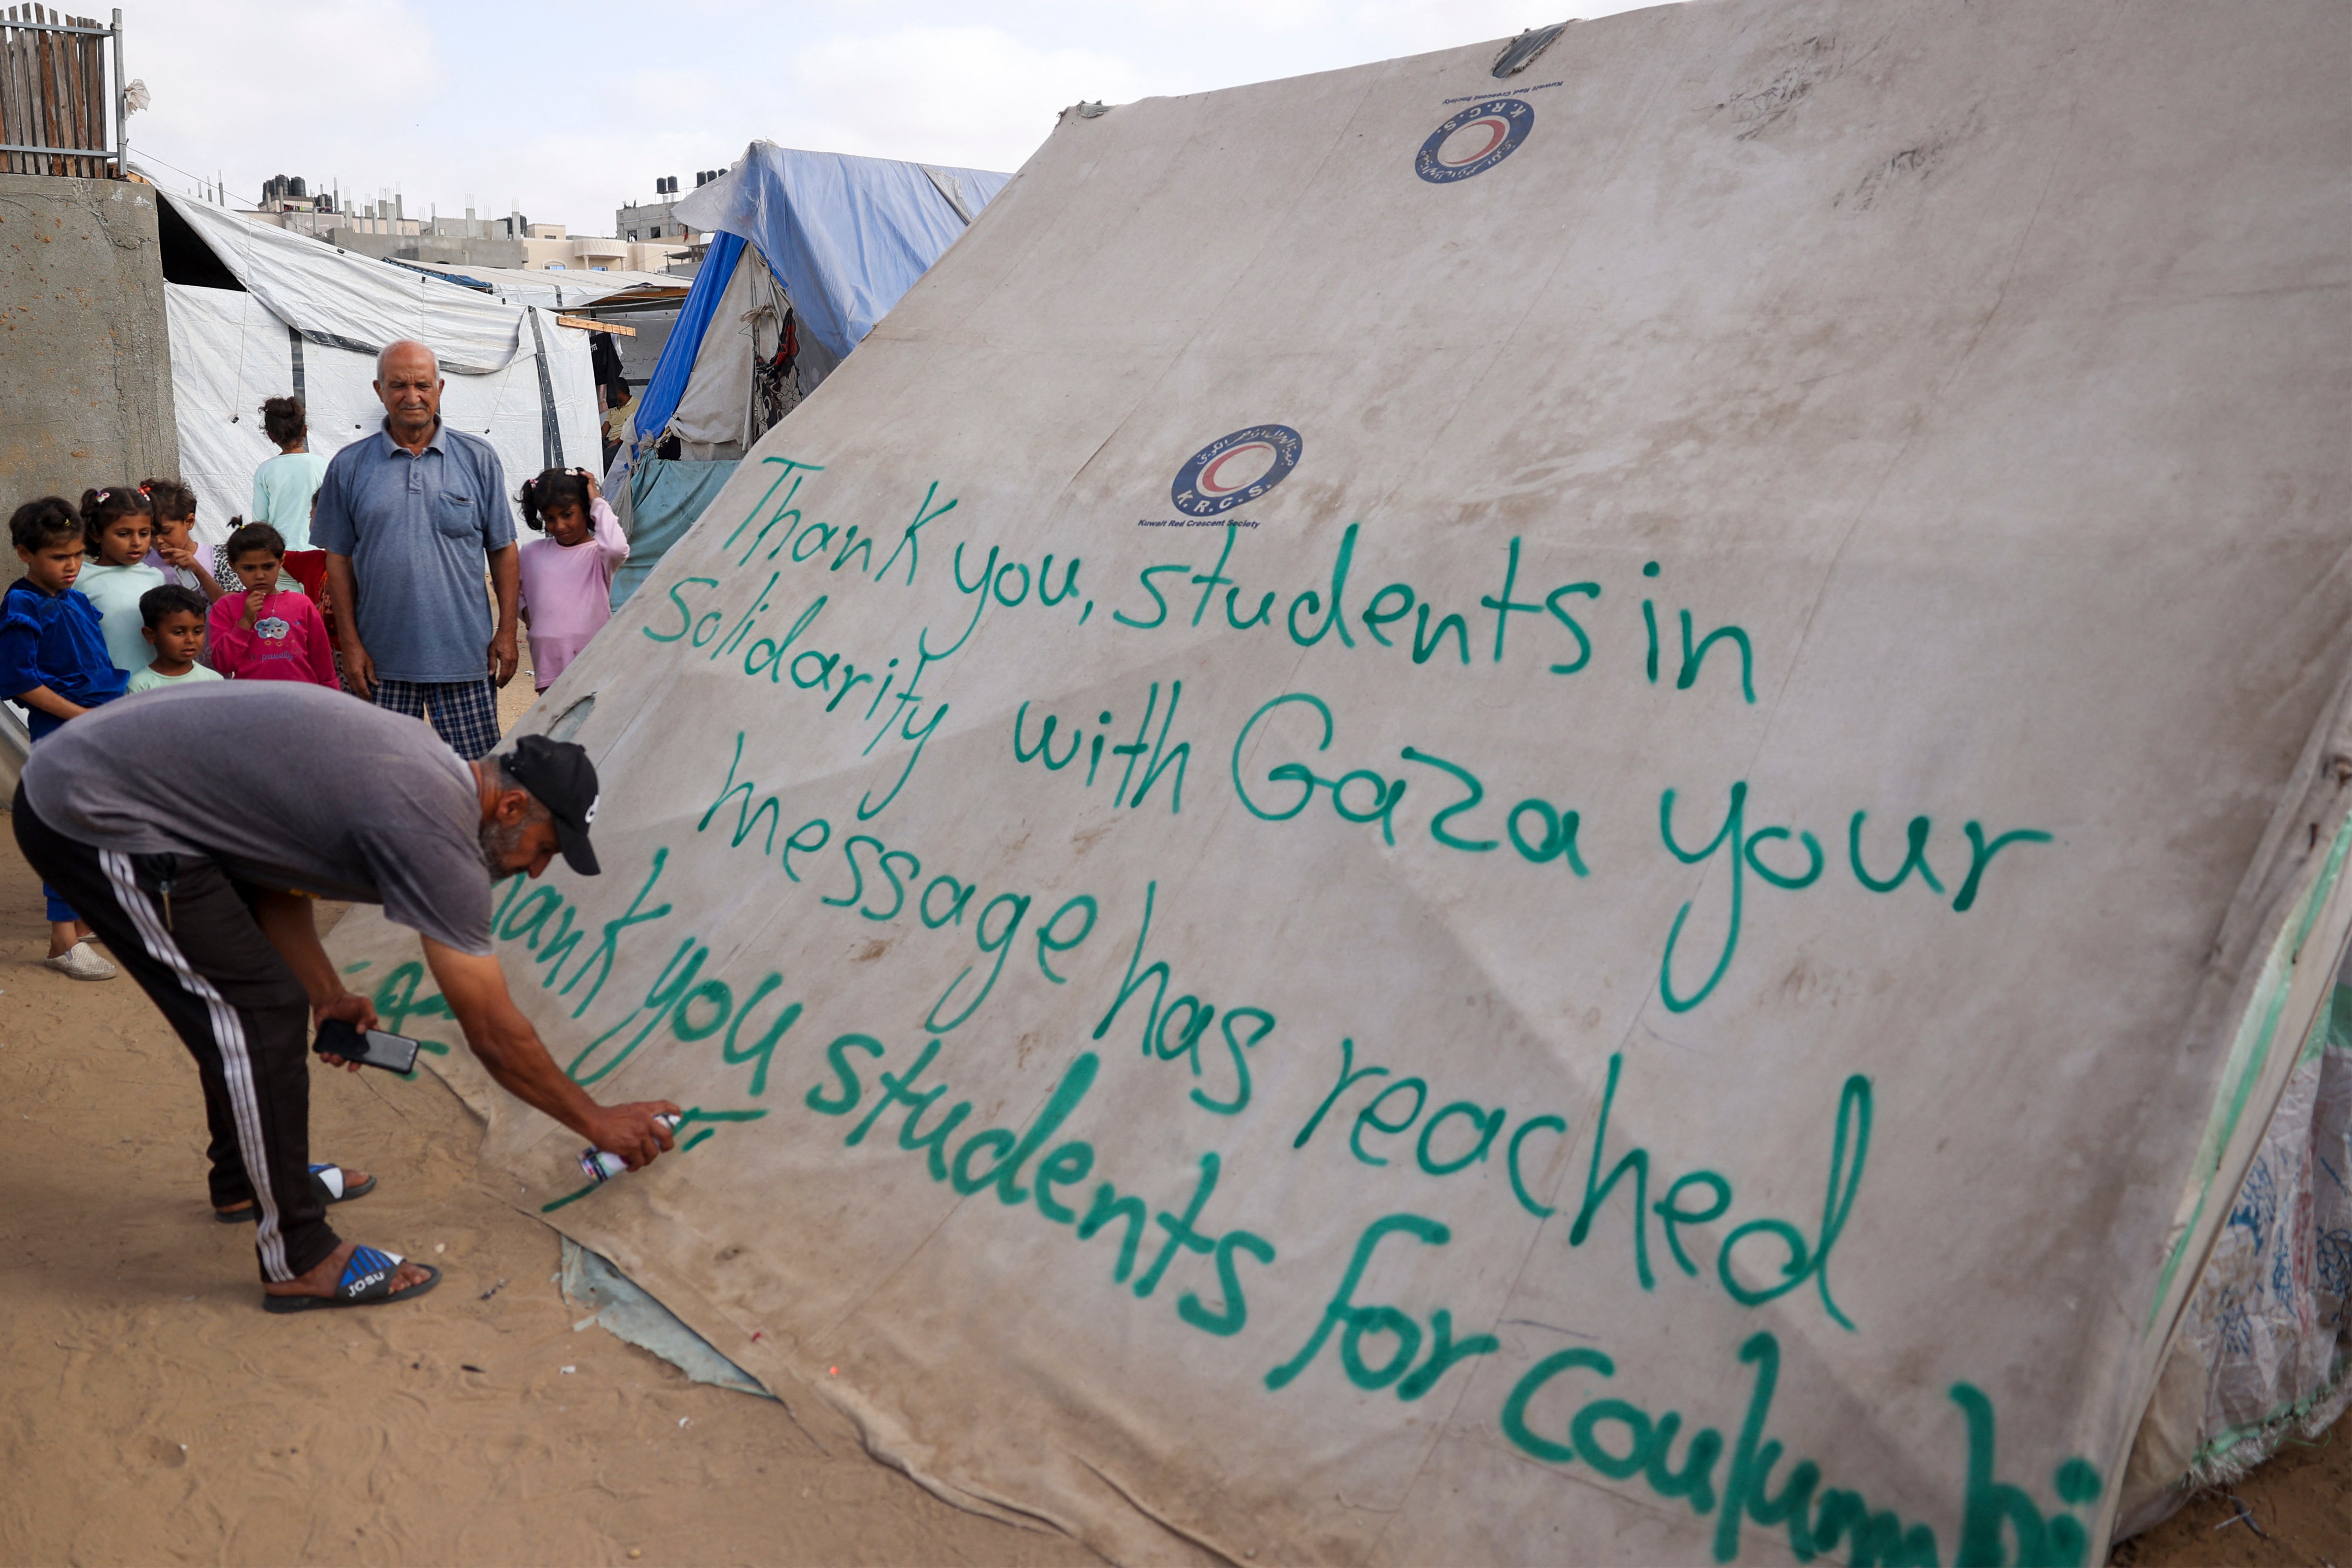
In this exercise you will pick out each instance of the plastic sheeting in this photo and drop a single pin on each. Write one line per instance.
(2264, 1351)
(230, 351)
(666, 498)
(1693, 813)
(626, 1312)
(681, 352)
(340, 300)
(848, 236)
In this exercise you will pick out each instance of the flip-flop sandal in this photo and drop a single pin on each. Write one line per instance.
(366, 1282)
(327, 1179)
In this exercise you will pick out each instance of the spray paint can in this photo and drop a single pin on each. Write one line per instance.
(603, 1165)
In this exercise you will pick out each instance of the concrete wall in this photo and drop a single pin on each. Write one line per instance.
(85, 363)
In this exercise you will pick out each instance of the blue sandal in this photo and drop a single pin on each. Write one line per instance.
(366, 1282)
(327, 1180)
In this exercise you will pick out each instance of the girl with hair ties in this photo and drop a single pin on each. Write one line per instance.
(118, 523)
(175, 552)
(567, 577)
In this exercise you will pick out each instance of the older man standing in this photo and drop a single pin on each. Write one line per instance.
(408, 517)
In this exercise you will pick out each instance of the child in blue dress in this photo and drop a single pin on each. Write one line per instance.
(53, 660)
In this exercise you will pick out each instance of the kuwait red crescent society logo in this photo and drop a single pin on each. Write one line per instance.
(1236, 468)
(1474, 141)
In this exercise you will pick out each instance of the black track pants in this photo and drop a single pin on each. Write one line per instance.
(201, 959)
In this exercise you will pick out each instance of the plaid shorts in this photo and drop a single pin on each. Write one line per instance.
(465, 713)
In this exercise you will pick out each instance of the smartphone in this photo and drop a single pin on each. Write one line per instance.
(393, 1053)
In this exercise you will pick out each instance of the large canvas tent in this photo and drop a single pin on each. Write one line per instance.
(830, 239)
(1579, 806)
(259, 312)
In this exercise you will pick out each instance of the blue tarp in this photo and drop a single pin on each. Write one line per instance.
(848, 235)
(676, 365)
(665, 498)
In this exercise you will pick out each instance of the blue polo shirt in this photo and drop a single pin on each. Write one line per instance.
(418, 529)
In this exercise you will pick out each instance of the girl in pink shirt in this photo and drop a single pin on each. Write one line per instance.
(567, 577)
(261, 634)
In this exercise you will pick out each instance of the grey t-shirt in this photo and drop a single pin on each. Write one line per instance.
(419, 528)
(287, 785)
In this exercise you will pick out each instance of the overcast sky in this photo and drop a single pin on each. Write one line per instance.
(572, 109)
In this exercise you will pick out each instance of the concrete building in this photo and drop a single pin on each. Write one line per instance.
(383, 228)
(286, 204)
(658, 219)
(590, 253)
(653, 220)
(85, 361)
(445, 243)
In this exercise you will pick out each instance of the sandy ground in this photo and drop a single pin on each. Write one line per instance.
(151, 1412)
(2293, 1512)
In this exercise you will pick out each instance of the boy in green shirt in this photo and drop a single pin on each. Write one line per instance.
(174, 627)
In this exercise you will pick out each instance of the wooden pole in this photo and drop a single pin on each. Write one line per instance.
(20, 83)
(28, 111)
(26, 130)
(77, 88)
(12, 95)
(45, 56)
(61, 65)
(93, 94)
(53, 88)
(69, 94)
(68, 73)
(85, 101)
(8, 87)
(28, 107)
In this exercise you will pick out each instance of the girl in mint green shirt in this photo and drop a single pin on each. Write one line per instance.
(116, 527)
(283, 486)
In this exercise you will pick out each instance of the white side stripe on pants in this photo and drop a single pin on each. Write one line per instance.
(228, 1034)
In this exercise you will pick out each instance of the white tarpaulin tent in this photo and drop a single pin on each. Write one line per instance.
(307, 320)
(1576, 816)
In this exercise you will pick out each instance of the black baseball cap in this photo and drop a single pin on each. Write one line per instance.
(560, 776)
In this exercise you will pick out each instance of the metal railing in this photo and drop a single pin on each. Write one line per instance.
(54, 101)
